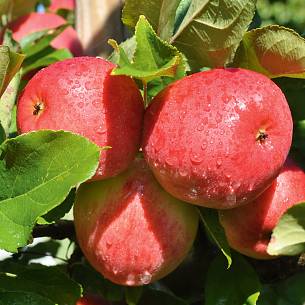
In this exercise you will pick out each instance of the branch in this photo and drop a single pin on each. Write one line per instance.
(59, 230)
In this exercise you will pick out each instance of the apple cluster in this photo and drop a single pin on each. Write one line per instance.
(217, 139)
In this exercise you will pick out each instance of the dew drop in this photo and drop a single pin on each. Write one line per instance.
(183, 172)
(130, 280)
(204, 145)
(218, 162)
(145, 278)
(101, 130)
(195, 158)
(193, 193)
(200, 127)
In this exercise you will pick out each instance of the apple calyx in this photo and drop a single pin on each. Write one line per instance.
(38, 108)
(261, 136)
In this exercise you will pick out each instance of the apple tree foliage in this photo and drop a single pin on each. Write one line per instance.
(39, 171)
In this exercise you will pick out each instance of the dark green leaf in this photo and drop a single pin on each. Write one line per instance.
(37, 171)
(239, 284)
(2, 134)
(129, 47)
(10, 63)
(22, 7)
(288, 237)
(94, 282)
(7, 102)
(153, 297)
(160, 13)
(209, 217)
(23, 298)
(212, 30)
(47, 282)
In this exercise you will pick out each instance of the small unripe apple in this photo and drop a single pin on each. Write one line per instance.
(218, 138)
(35, 22)
(130, 229)
(80, 95)
(249, 228)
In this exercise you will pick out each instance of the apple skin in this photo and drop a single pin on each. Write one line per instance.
(80, 95)
(91, 300)
(218, 138)
(35, 22)
(249, 228)
(61, 4)
(130, 229)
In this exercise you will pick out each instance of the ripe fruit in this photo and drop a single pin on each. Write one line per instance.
(249, 228)
(91, 300)
(130, 229)
(61, 4)
(81, 96)
(35, 22)
(218, 138)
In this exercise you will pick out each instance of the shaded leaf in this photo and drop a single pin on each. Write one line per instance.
(153, 297)
(133, 295)
(21, 7)
(288, 237)
(152, 58)
(10, 63)
(46, 282)
(273, 50)
(7, 102)
(129, 47)
(212, 30)
(160, 14)
(209, 217)
(23, 298)
(239, 284)
(2, 134)
(37, 171)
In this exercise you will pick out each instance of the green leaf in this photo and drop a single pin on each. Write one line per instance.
(46, 282)
(2, 134)
(129, 47)
(273, 50)
(5, 6)
(37, 171)
(288, 292)
(21, 7)
(36, 42)
(153, 57)
(160, 13)
(94, 282)
(7, 102)
(51, 57)
(239, 284)
(23, 298)
(133, 295)
(181, 13)
(212, 30)
(209, 217)
(10, 63)
(288, 237)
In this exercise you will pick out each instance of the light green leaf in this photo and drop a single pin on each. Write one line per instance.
(133, 295)
(46, 282)
(5, 7)
(49, 58)
(212, 30)
(273, 50)
(239, 284)
(37, 171)
(160, 13)
(7, 102)
(209, 217)
(129, 47)
(153, 57)
(288, 237)
(10, 63)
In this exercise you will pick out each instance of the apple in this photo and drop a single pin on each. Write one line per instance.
(61, 4)
(130, 229)
(35, 22)
(249, 228)
(218, 138)
(80, 95)
(91, 300)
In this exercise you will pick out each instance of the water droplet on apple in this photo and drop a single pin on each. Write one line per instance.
(145, 278)
(130, 280)
(218, 163)
(196, 158)
(204, 145)
(183, 172)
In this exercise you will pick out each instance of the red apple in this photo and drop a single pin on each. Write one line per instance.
(218, 138)
(61, 4)
(130, 229)
(91, 300)
(35, 22)
(249, 228)
(80, 95)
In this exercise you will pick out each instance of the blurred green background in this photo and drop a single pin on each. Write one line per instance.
(289, 13)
